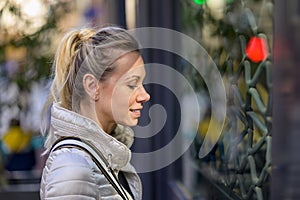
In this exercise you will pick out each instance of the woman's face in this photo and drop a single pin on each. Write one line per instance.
(122, 94)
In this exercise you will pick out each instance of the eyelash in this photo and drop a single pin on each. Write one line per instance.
(132, 86)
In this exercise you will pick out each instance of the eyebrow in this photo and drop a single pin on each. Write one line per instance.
(133, 76)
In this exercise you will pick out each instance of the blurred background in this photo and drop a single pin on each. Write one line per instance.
(254, 44)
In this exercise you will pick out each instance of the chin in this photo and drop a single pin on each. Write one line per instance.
(132, 122)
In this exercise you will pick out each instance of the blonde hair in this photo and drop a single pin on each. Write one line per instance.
(83, 51)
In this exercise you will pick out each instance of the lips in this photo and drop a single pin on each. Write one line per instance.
(136, 112)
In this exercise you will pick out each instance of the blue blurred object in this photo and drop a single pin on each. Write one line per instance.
(22, 161)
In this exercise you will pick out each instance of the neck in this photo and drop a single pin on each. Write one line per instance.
(89, 112)
(108, 127)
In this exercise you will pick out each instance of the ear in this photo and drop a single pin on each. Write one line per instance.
(91, 86)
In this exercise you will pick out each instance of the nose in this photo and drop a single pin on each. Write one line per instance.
(143, 95)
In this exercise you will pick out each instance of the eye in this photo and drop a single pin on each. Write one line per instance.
(132, 87)
(133, 84)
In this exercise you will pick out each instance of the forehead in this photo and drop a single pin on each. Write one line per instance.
(130, 63)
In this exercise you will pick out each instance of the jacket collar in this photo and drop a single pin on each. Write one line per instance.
(66, 123)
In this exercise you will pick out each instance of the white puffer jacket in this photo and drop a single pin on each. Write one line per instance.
(70, 173)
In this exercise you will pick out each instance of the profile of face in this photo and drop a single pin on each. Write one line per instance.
(121, 95)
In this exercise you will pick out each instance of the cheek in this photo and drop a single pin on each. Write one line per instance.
(106, 98)
(131, 100)
(121, 99)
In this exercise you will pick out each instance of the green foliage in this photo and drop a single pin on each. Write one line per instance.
(35, 64)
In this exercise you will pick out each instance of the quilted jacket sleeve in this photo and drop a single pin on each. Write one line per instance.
(68, 175)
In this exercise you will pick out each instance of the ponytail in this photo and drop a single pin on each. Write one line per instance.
(63, 71)
(64, 60)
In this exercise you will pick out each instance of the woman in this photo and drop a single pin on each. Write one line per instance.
(96, 94)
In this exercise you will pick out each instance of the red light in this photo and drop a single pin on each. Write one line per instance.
(257, 49)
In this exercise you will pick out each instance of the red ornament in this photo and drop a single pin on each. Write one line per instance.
(257, 49)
